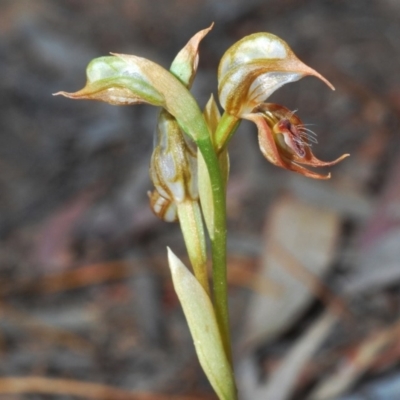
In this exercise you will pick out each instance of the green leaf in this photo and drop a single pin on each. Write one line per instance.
(203, 326)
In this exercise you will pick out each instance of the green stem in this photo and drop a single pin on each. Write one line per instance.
(226, 128)
(218, 242)
(193, 233)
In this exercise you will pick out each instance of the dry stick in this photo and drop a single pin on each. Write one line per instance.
(336, 304)
(43, 330)
(355, 366)
(100, 273)
(290, 368)
(87, 275)
(40, 385)
(241, 275)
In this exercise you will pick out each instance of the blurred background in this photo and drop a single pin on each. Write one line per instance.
(314, 265)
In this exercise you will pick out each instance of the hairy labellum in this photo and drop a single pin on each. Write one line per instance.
(285, 141)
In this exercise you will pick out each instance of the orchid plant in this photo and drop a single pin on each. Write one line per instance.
(190, 166)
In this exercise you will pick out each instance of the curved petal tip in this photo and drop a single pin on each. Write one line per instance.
(65, 94)
(313, 72)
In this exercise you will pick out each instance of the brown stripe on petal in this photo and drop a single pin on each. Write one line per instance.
(163, 208)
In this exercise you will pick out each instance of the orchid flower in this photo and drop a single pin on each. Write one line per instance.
(249, 72)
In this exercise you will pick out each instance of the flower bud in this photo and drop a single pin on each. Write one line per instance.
(173, 167)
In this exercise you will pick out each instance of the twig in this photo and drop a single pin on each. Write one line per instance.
(97, 391)
(43, 330)
(316, 286)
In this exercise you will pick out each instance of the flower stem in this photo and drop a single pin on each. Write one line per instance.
(226, 128)
(218, 242)
(193, 233)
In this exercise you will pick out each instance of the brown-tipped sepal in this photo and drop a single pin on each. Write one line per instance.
(115, 81)
(184, 66)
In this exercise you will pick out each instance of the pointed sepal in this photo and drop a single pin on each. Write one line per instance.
(184, 66)
(113, 80)
(253, 68)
